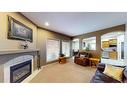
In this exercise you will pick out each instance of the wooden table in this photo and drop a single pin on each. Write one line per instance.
(62, 60)
(94, 61)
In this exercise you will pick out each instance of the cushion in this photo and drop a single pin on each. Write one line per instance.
(102, 78)
(114, 72)
(82, 56)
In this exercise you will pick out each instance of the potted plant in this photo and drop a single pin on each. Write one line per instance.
(62, 55)
(25, 44)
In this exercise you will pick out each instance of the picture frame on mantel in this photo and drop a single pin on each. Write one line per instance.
(19, 31)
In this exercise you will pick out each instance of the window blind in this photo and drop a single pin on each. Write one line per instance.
(89, 43)
(75, 44)
(66, 48)
(53, 49)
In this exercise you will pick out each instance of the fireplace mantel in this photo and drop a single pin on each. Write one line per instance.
(5, 52)
(17, 56)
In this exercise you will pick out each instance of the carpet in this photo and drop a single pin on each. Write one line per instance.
(64, 73)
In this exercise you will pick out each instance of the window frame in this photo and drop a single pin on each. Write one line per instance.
(94, 37)
(47, 47)
(78, 44)
(69, 47)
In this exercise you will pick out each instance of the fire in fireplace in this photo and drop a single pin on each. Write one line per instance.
(20, 71)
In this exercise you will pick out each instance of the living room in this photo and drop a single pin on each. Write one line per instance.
(38, 47)
(67, 47)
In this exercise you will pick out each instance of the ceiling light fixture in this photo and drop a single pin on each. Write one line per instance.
(46, 24)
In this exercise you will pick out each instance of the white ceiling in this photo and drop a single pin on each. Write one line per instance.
(77, 23)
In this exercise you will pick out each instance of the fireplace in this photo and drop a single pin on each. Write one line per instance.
(20, 71)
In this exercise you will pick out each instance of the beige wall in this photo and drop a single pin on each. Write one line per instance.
(39, 35)
(42, 36)
(97, 53)
(39, 38)
(14, 44)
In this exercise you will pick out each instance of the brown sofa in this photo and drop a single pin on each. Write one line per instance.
(82, 58)
(100, 77)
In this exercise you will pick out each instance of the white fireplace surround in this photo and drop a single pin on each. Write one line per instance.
(15, 61)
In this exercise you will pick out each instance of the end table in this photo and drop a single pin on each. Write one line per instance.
(62, 60)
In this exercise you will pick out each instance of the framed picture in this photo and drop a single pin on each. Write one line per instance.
(19, 31)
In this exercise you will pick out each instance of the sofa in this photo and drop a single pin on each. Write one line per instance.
(82, 58)
(100, 77)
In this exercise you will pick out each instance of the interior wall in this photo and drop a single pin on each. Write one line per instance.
(39, 35)
(7, 44)
(42, 36)
(97, 53)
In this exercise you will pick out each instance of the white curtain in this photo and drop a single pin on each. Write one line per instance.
(53, 49)
(75, 44)
(89, 43)
(66, 48)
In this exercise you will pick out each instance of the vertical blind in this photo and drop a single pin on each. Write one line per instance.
(66, 48)
(53, 49)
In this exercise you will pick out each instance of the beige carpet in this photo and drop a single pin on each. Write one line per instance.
(64, 73)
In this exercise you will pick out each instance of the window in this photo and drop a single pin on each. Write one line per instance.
(89, 43)
(53, 49)
(75, 44)
(66, 48)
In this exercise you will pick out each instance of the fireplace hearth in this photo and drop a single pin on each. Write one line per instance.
(20, 71)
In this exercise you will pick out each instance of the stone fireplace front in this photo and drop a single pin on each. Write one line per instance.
(17, 69)
(16, 66)
(20, 71)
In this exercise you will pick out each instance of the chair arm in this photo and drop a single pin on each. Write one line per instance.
(125, 72)
(101, 67)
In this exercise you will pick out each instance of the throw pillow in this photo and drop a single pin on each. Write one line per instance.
(114, 72)
(82, 56)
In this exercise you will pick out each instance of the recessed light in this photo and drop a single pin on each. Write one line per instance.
(46, 24)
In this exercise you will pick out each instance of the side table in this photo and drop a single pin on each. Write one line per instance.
(62, 60)
(94, 61)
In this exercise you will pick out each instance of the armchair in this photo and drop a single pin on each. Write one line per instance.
(100, 77)
(82, 58)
